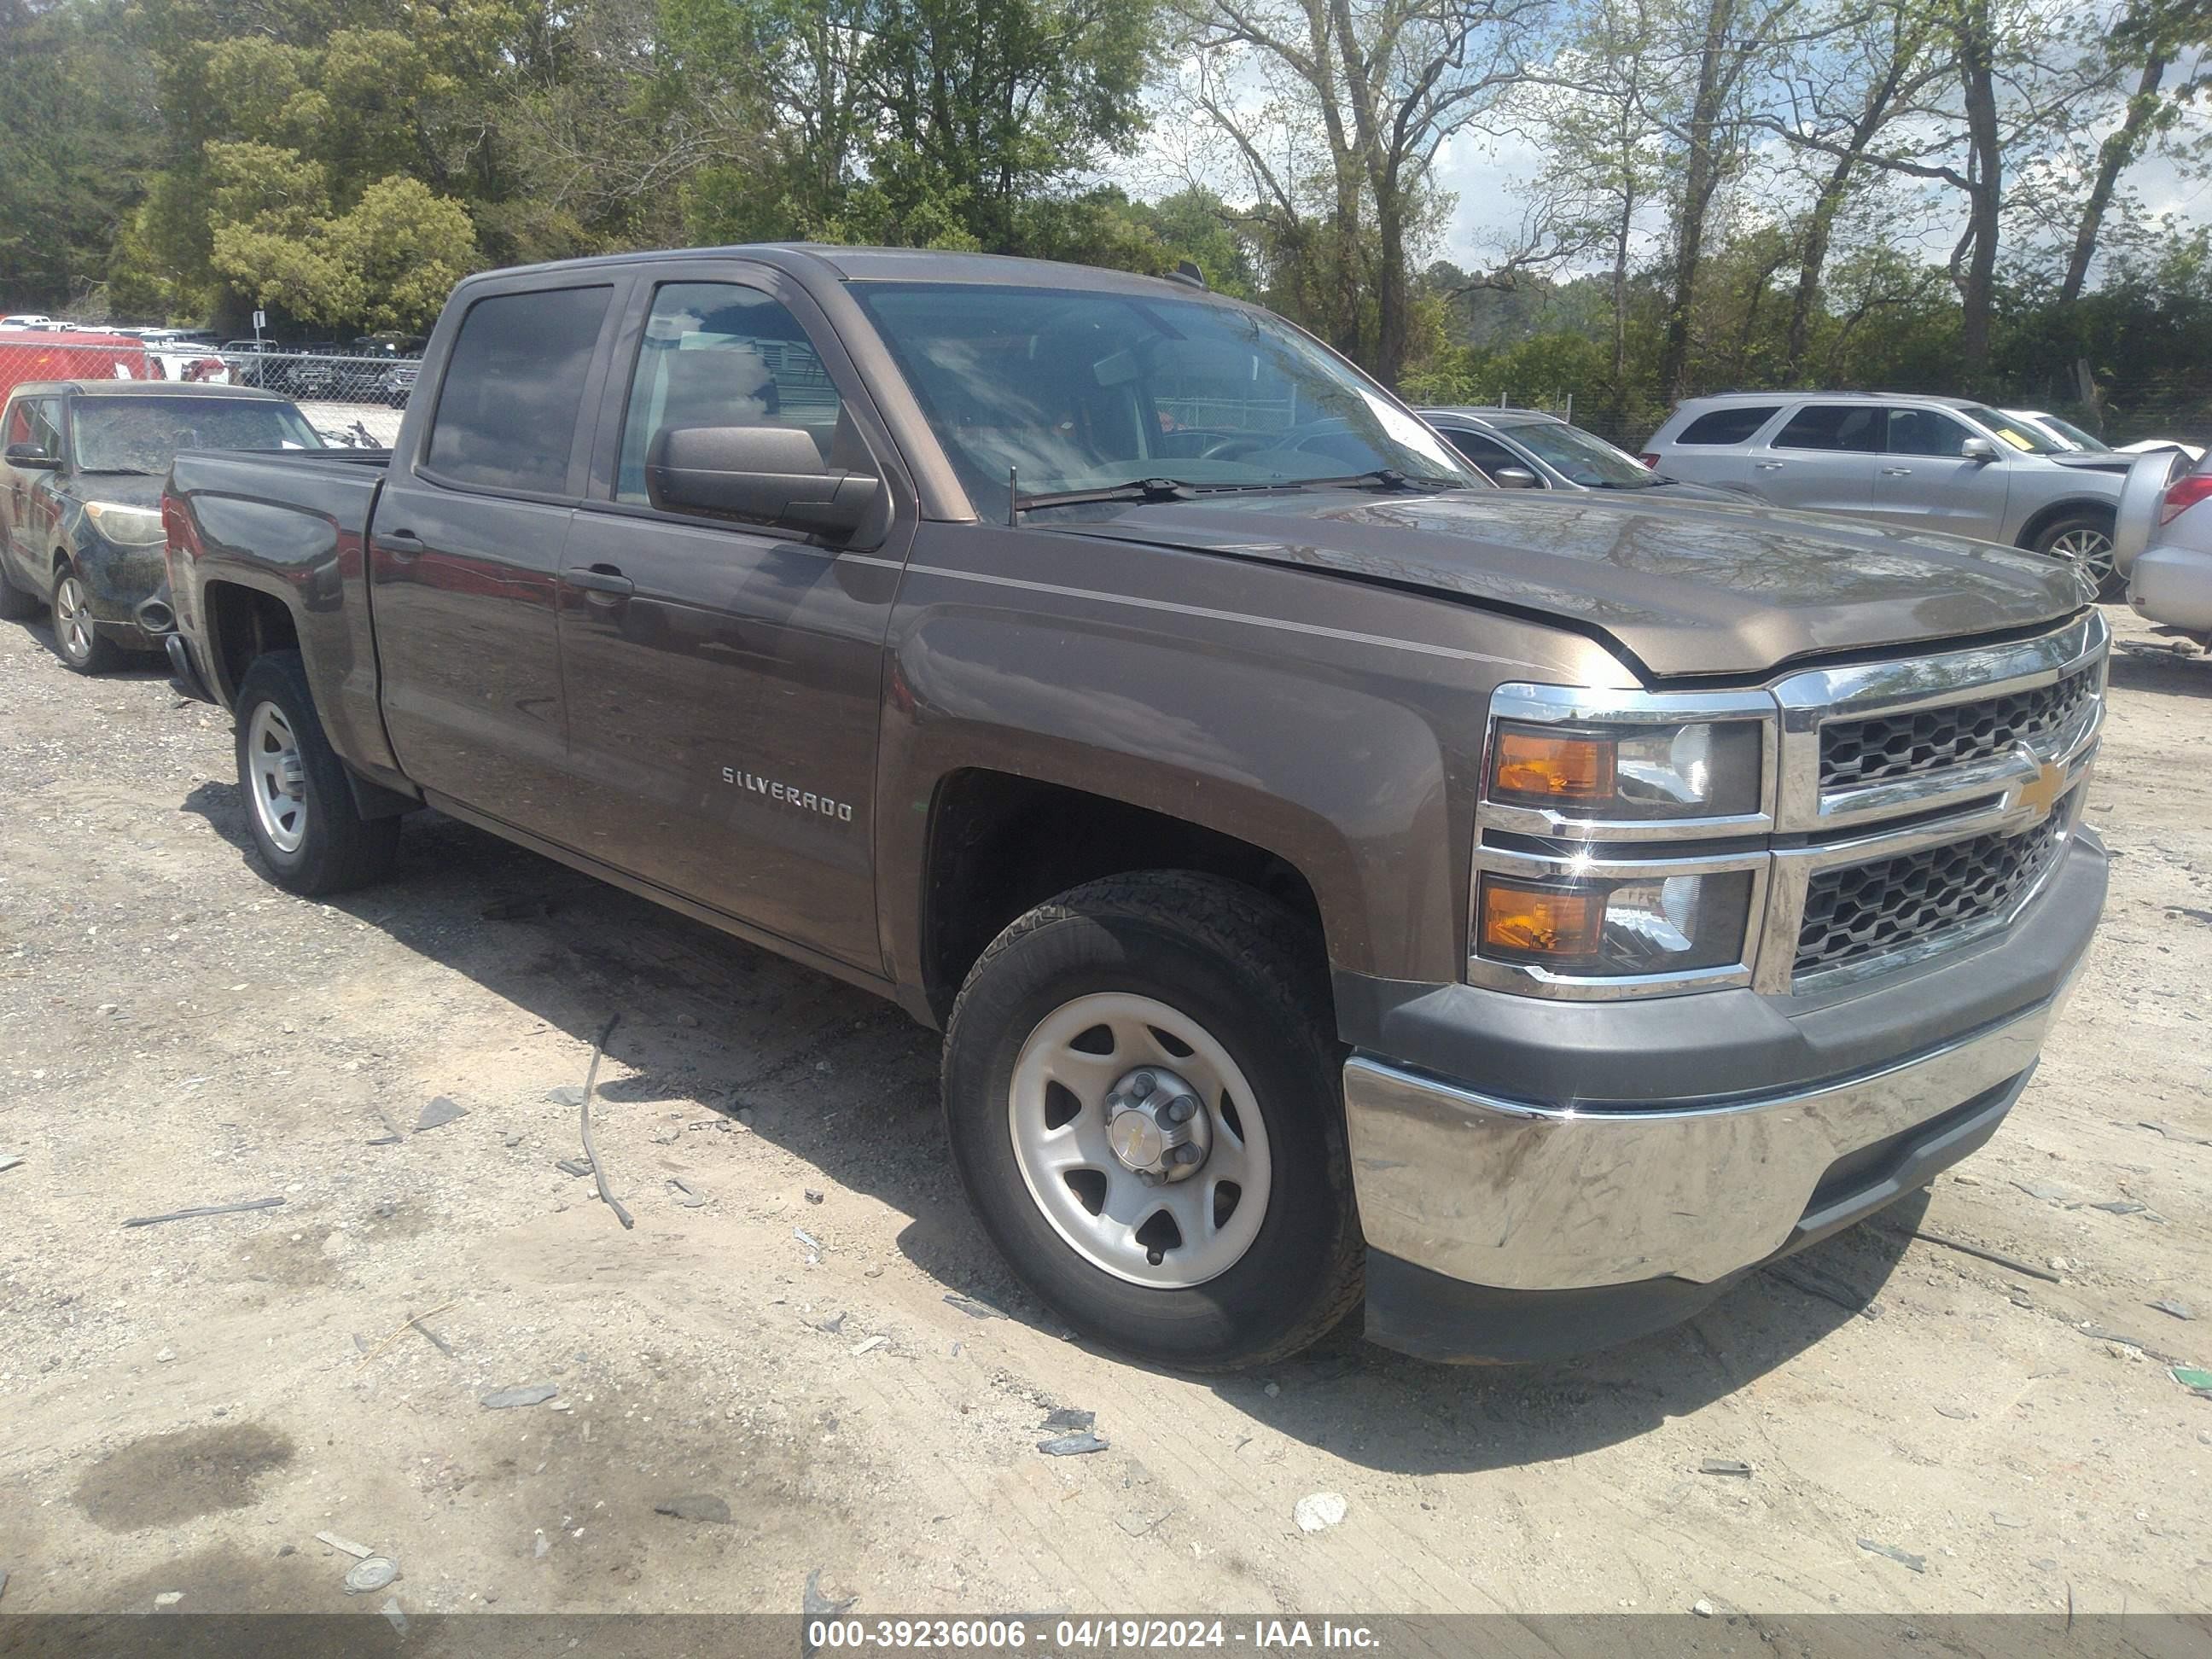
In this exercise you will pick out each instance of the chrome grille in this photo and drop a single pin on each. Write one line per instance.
(1871, 909)
(1890, 746)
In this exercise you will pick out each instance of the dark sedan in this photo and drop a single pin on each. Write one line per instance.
(81, 497)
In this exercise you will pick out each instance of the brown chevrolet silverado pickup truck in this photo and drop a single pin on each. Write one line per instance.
(1341, 884)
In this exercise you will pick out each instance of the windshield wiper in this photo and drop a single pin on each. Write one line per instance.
(1145, 489)
(1138, 490)
(1389, 476)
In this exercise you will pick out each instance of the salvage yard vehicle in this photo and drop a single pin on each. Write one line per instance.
(1339, 881)
(2074, 437)
(1527, 449)
(1904, 459)
(80, 477)
(2163, 544)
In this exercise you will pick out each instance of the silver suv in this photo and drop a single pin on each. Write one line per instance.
(1908, 460)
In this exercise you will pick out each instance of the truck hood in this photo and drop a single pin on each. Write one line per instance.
(1683, 587)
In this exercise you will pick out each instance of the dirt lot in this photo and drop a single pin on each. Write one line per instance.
(184, 1407)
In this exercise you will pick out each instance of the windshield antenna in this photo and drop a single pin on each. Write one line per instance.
(1011, 497)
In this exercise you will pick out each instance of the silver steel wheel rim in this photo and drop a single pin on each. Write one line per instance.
(73, 618)
(2092, 550)
(276, 779)
(1215, 1212)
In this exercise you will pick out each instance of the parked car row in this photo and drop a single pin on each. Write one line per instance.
(373, 368)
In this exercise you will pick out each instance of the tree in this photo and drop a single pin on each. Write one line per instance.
(1708, 121)
(1849, 87)
(926, 122)
(1603, 170)
(76, 142)
(1387, 83)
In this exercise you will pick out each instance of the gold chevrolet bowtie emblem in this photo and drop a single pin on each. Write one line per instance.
(2041, 791)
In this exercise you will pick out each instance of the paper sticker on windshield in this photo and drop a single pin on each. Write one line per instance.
(1405, 430)
(2013, 438)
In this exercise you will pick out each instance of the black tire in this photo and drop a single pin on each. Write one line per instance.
(77, 640)
(2086, 522)
(338, 849)
(16, 603)
(1253, 976)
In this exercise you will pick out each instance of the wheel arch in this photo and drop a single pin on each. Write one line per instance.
(999, 843)
(241, 623)
(2044, 517)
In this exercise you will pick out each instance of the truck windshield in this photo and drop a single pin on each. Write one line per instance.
(143, 434)
(1072, 391)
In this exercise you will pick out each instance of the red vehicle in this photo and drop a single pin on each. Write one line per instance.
(37, 354)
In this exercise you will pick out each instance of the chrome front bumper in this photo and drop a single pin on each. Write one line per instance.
(1519, 1197)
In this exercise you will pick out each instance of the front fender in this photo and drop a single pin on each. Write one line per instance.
(1335, 724)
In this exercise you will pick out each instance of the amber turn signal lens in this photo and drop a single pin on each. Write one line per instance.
(1541, 924)
(1544, 766)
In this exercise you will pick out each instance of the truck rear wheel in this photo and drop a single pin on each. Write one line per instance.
(1143, 1097)
(306, 823)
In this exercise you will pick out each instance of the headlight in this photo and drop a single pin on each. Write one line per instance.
(1700, 769)
(126, 526)
(1621, 840)
(1610, 927)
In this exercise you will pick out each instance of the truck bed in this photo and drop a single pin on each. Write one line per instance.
(293, 524)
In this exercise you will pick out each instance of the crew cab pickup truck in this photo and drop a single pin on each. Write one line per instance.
(1341, 884)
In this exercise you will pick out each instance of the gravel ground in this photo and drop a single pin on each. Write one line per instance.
(806, 1328)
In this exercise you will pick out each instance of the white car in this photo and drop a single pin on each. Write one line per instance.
(25, 320)
(2074, 437)
(2162, 541)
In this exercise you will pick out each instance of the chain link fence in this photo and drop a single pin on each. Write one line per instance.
(353, 401)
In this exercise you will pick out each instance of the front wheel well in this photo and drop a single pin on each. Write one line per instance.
(1000, 844)
(2032, 532)
(243, 623)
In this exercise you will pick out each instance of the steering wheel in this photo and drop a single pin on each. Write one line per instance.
(1234, 445)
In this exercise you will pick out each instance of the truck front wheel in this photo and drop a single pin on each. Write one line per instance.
(305, 821)
(1143, 1092)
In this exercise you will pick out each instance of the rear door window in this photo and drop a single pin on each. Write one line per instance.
(1733, 425)
(1855, 429)
(514, 387)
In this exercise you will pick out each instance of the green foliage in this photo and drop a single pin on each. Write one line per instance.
(1542, 372)
(74, 143)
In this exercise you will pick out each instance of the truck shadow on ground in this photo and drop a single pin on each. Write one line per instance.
(849, 1084)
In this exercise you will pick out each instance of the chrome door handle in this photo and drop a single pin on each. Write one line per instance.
(1897, 473)
(1768, 466)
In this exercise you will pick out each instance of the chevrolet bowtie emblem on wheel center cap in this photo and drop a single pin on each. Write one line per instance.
(1156, 1126)
(2041, 791)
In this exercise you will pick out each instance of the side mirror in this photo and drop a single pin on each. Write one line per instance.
(1515, 477)
(1979, 450)
(31, 458)
(768, 474)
